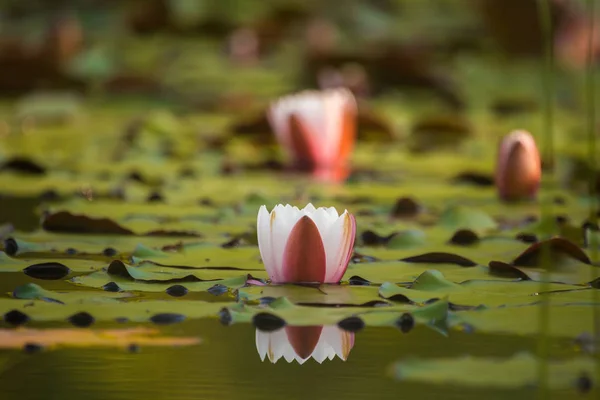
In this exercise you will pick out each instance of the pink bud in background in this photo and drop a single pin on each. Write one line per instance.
(303, 342)
(317, 129)
(312, 245)
(518, 169)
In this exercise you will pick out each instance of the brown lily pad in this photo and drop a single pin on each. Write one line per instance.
(474, 178)
(559, 248)
(405, 207)
(499, 268)
(440, 258)
(24, 166)
(65, 222)
(464, 237)
(568, 264)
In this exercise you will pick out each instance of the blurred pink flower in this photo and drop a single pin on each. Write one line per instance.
(518, 169)
(317, 129)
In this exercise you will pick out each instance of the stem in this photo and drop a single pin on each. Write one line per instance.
(543, 349)
(591, 124)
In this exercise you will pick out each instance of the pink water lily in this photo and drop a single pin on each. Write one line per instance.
(518, 169)
(300, 343)
(309, 245)
(317, 129)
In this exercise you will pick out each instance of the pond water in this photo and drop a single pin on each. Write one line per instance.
(227, 364)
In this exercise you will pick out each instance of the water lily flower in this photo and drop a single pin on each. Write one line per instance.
(308, 245)
(317, 129)
(519, 168)
(303, 342)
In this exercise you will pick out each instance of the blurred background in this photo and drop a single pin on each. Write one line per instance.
(203, 54)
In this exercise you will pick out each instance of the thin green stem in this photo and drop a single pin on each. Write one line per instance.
(543, 350)
(592, 150)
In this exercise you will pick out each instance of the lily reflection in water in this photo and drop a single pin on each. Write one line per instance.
(303, 342)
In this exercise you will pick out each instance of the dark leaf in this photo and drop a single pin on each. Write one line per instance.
(167, 318)
(267, 322)
(112, 287)
(405, 207)
(474, 178)
(64, 221)
(351, 324)
(464, 237)
(558, 247)
(81, 319)
(117, 268)
(358, 258)
(32, 348)
(399, 298)
(24, 166)
(16, 318)
(405, 323)
(499, 268)
(440, 258)
(109, 252)
(527, 237)
(217, 289)
(47, 271)
(265, 301)
(11, 247)
(177, 291)
(225, 316)
(235, 242)
(155, 197)
(356, 280)
(163, 233)
(584, 383)
(370, 238)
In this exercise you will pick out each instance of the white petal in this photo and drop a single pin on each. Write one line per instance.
(333, 212)
(309, 209)
(289, 354)
(285, 219)
(278, 344)
(262, 344)
(323, 350)
(339, 340)
(335, 246)
(322, 220)
(263, 227)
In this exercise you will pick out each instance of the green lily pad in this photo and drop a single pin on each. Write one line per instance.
(31, 291)
(461, 217)
(518, 371)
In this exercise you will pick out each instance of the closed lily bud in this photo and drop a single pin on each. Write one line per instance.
(518, 169)
(303, 342)
(312, 245)
(317, 129)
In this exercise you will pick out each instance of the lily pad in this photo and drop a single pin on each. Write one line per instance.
(518, 371)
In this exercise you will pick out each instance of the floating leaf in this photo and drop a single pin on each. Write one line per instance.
(518, 371)
(64, 221)
(440, 258)
(461, 217)
(47, 271)
(406, 239)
